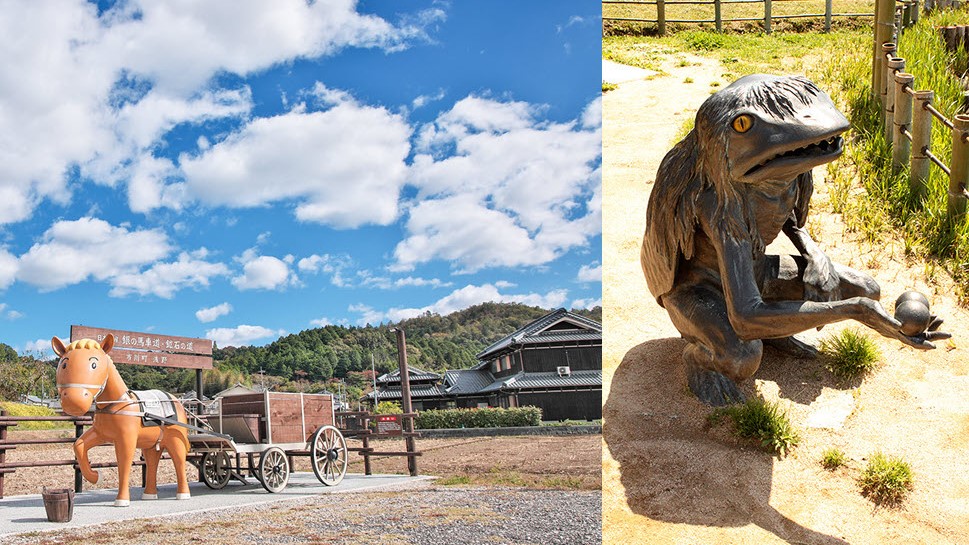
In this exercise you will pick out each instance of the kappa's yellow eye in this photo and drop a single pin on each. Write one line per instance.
(743, 123)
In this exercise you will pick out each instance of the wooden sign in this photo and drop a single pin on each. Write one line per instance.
(161, 359)
(388, 424)
(144, 341)
(151, 349)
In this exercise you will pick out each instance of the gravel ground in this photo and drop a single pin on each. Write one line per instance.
(431, 516)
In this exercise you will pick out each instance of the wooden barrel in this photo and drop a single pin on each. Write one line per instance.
(59, 503)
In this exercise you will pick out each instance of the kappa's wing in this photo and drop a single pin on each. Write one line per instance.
(671, 216)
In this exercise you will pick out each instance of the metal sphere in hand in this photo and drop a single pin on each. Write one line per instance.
(914, 317)
(912, 295)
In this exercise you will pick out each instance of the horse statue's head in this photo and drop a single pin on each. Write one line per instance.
(82, 372)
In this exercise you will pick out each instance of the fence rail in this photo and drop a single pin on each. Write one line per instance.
(908, 114)
(718, 19)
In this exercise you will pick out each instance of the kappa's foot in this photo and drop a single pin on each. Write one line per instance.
(147, 496)
(92, 477)
(183, 496)
(793, 347)
(714, 388)
(122, 503)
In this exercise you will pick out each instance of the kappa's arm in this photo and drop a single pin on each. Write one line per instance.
(754, 318)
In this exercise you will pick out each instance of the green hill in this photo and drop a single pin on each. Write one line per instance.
(433, 343)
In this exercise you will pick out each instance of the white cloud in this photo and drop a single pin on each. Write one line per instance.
(321, 322)
(421, 282)
(99, 93)
(587, 303)
(264, 273)
(164, 279)
(41, 348)
(210, 314)
(499, 187)
(241, 335)
(592, 114)
(8, 268)
(590, 273)
(89, 248)
(460, 299)
(343, 166)
(334, 265)
(14, 315)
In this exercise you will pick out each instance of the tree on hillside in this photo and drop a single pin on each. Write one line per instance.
(7, 353)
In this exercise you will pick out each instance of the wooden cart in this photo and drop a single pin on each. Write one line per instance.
(275, 427)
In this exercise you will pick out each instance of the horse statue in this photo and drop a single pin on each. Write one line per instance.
(87, 378)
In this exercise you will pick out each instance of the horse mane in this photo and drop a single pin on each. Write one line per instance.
(86, 344)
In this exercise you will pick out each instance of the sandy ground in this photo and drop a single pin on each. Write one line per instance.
(572, 462)
(668, 477)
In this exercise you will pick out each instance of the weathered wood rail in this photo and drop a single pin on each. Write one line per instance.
(718, 20)
(908, 114)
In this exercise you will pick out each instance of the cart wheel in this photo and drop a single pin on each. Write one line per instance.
(328, 454)
(273, 469)
(216, 469)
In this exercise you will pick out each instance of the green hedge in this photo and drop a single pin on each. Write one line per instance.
(433, 419)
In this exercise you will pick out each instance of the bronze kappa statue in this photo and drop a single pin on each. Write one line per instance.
(722, 194)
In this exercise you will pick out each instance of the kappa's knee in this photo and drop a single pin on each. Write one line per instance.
(741, 360)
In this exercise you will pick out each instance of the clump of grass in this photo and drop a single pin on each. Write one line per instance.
(886, 480)
(688, 80)
(454, 480)
(849, 354)
(762, 421)
(606, 87)
(833, 458)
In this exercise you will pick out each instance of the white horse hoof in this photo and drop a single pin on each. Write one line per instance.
(122, 503)
(184, 496)
(149, 496)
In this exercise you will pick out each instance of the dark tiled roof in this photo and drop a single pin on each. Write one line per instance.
(416, 392)
(535, 381)
(414, 373)
(466, 381)
(535, 332)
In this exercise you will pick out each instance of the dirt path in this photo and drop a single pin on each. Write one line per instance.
(668, 476)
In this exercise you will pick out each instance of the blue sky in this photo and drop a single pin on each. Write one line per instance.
(229, 170)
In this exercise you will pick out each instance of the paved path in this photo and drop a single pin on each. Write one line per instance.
(20, 514)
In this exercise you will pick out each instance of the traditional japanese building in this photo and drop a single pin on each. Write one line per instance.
(554, 363)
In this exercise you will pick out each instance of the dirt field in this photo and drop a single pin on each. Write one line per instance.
(546, 462)
(667, 475)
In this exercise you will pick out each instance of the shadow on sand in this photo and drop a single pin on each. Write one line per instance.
(674, 468)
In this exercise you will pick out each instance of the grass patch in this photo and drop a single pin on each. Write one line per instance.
(19, 409)
(555, 423)
(762, 421)
(849, 354)
(454, 480)
(606, 87)
(886, 480)
(833, 458)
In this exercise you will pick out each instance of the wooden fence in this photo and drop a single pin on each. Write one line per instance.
(908, 114)
(718, 18)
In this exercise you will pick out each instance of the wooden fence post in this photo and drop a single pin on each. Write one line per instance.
(661, 16)
(959, 169)
(888, 51)
(915, 11)
(78, 480)
(827, 15)
(883, 34)
(767, 16)
(717, 15)
(921, 143)
(3, 451)
(902, 120)
(896, 64)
